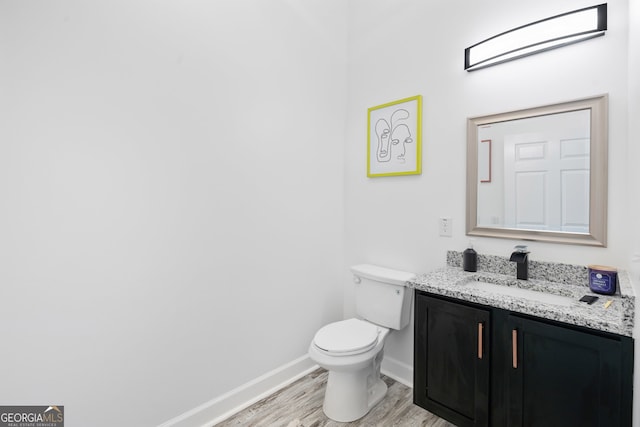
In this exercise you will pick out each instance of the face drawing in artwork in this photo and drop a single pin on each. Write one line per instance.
(393, 137)
(383, 152)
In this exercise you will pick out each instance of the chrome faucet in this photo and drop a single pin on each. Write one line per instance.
(520, 255)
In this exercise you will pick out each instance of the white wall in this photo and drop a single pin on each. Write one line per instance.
(407, 47)
(634, 174)
(171, 203)
(634, 134)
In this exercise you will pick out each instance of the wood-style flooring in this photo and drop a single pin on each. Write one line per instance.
(300, 405)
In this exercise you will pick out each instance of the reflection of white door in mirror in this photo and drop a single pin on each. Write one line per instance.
(543, 181)
(548, 173)
(556, 184)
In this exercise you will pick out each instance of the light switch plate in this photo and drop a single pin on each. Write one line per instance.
(446, 226)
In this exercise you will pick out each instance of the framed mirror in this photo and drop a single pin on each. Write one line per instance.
(540, 173)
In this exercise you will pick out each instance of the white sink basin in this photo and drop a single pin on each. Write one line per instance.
(521, 293)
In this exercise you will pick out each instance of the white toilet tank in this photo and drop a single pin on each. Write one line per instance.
(381, 295)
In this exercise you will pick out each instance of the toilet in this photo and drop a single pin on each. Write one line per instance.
(352, 350)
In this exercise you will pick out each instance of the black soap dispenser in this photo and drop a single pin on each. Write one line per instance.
(470, 259)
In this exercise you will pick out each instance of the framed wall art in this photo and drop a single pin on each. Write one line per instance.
(394, 138)
(484, 160)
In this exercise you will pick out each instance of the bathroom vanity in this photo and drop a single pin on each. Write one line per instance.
(491, 350)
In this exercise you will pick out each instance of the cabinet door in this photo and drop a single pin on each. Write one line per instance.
(452, 360)
(564, 377)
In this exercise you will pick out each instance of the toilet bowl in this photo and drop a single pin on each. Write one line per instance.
(352, 349)
(354, 385)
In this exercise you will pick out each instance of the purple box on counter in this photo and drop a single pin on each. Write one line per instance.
(603, 279)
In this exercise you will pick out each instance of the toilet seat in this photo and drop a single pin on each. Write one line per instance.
(347, 337)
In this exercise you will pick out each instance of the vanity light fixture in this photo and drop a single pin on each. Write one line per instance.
(546, 34)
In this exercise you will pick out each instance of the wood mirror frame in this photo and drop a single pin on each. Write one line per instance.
(598, 174)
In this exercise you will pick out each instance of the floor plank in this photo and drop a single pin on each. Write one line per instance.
(300, 405)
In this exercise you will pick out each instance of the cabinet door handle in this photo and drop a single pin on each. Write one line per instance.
(480, 330)
(514, 348)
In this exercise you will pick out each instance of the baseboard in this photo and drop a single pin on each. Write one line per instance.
(223, 407)
(397, 370)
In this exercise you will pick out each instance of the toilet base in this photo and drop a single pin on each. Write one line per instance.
(351, 395)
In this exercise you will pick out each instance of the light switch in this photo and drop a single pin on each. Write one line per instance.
(446, 225)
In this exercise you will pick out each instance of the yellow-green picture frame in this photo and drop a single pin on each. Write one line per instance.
(394, 138)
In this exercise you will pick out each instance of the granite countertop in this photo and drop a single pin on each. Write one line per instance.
(553, 278)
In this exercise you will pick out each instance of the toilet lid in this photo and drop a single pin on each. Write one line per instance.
(347, 336)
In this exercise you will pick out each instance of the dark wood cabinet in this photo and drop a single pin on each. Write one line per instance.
(452, 377)
(567, 378)
(482, 366)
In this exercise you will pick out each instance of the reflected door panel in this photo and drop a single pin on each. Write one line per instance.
(546, 175)
(526, 184)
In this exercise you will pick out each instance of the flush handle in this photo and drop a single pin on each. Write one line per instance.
(514, 348)
(480, 333)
